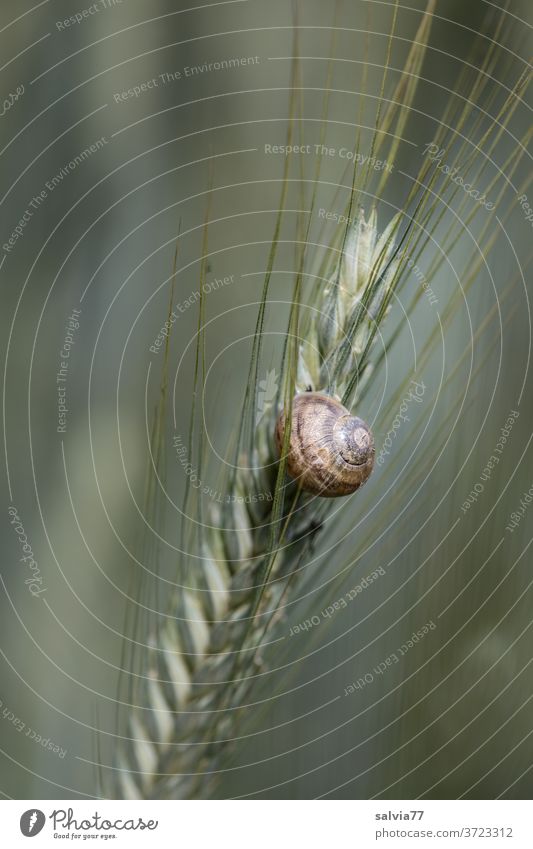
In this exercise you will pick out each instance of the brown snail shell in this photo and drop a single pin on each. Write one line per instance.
(331, 452)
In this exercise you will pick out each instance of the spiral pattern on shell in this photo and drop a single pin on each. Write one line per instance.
(331, 452)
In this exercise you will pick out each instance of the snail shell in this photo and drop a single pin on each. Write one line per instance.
(331, 452)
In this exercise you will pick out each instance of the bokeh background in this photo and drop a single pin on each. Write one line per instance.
(453, 717)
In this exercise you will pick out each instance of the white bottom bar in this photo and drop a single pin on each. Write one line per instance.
(268, 824)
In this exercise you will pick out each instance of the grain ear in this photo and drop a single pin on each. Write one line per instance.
(197, 659)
